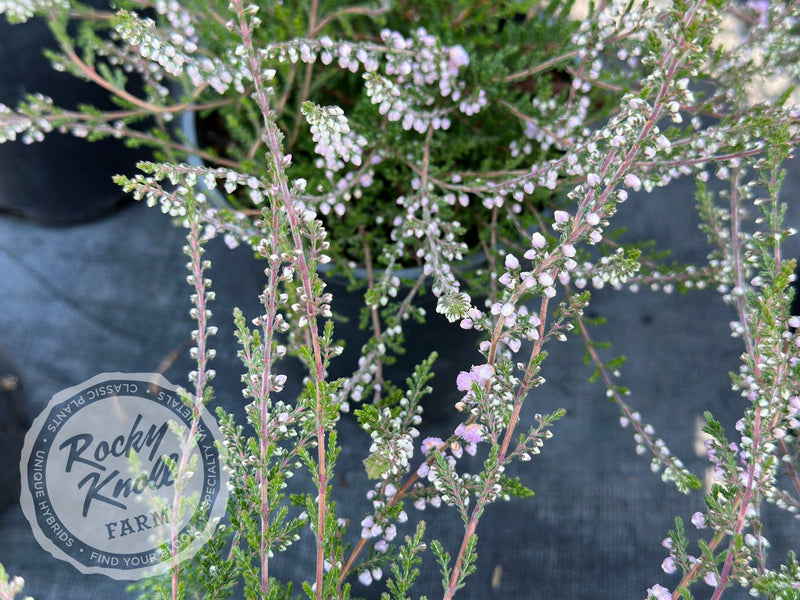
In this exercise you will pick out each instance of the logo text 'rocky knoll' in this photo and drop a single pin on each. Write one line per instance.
(99, 467)
(82, 449)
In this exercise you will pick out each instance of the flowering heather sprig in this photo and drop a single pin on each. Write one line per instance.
(27, 121)
(19, 11)
(519, 154)
(392, 446)
(10, 586)
(564, 124)
(440, 248)
(187, 177)
(411, 65)
(178, 53)
(331, 132)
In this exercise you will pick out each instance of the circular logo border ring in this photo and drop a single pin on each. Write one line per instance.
(51, 518)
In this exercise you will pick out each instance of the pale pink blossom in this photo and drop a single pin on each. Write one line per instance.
(632, 181)
(668, 565)
(431, 443)
(365, 577)
(561, 216)
(538, 240)
(658, 592)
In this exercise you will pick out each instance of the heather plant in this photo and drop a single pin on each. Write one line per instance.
(389, 135)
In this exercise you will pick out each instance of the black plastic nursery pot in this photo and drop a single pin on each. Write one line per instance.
(13, 425)
(73, 177)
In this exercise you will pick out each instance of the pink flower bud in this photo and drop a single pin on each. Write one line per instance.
(538, 240)
(668, 565)
(632, 181)
(365, 578)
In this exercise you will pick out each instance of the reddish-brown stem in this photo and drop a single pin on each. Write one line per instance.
(94, 76)
(376, 320)
(465, 541)
(537, 348)
(284, 199)
(401, 493)
(197, 401)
